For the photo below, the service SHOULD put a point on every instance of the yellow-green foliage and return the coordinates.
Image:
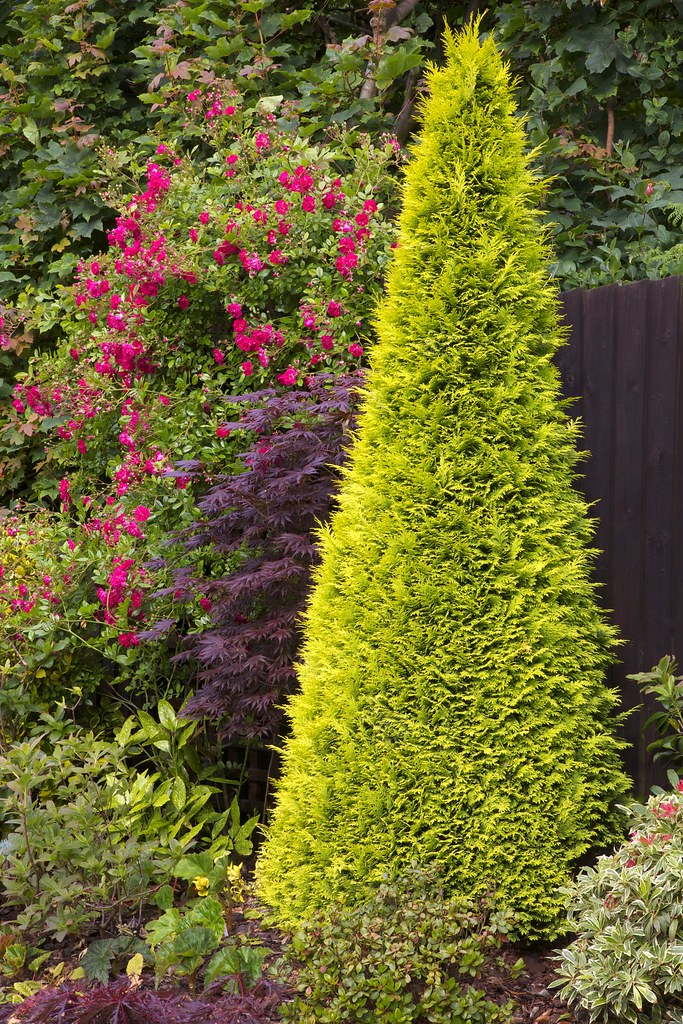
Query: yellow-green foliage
(452, 705)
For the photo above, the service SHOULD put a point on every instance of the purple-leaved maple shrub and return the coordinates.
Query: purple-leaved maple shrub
(266, 518)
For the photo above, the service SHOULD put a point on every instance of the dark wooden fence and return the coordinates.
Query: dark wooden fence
(624, 365)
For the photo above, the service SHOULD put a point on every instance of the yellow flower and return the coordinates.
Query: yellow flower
(234, 882)
(202, 885)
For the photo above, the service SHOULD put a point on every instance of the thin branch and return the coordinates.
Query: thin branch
(401, 11)
(385, 21)
(609, 142)
(405, 121)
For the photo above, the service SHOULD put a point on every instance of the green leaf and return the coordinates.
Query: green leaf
(577, 86)
(97, 959)
(150, 728)
(268, 104)
(601, 57)
(236, 960)
(209, 914)
(164, 927)
(195, 941)
(396, 63)
(123, 735)
(226, 961)
(167, 716)
(178, 794)
(296, 18)
(31, 132)
(164, 897)
(193, 865)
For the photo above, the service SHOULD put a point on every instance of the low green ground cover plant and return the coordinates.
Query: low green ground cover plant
(410, 954)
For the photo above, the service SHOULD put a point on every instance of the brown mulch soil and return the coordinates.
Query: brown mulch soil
(537, 1003)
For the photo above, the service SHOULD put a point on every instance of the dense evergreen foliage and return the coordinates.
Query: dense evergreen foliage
(452, 703)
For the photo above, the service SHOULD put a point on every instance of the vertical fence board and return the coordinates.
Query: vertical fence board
(627, 570)
(676, 578)
(623, 363)
(660, 467)
(596, 408)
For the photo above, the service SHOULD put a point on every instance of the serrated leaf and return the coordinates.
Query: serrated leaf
(244, 960)
(31, 132)
(164, 927)
(97, 959)
(296, 18)
(164, 898)
(195, 941)
(209, 914)
(396, 63)
(224, 962)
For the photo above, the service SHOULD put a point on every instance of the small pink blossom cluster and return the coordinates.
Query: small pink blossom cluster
(125, 584)
(664, 808)
(41, 590)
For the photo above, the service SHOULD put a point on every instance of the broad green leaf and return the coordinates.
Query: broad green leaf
(164, 927)
(224, 962)
(197, 940)
(193, 865)
(31, 131)
(178, 794)
(269, 104)
(164, 897)
(150, 728)
(209, 914)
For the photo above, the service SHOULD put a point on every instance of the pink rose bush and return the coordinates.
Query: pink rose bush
(257, 269)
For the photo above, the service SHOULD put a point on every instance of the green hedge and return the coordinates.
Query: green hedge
(453, 706)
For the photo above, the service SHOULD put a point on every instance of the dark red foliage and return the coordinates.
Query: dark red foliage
(116, 1003)
(268, 516)
(119, 1003)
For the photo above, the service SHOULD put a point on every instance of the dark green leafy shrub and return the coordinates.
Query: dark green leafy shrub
(602, 87)
(626, 963)
(453, 704)
(409, 954)
(667, 688)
